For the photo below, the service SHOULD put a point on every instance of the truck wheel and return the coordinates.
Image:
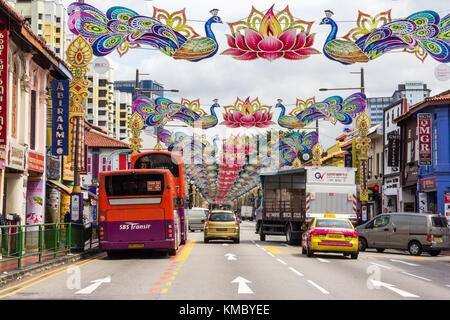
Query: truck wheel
(415, 248)
(262, 236)
(434, 253)
(289, 234)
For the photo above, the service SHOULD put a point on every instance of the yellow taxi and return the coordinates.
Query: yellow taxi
(222, 225)
(330, 234)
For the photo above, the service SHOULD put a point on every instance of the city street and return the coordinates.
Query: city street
(250, 270)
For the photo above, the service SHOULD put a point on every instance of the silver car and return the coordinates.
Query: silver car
(415, 232)
(197, 218)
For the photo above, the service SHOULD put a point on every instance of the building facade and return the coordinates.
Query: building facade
(28, 67)
(433, 181)
(391, 154)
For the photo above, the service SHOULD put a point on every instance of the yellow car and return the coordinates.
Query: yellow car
(330, 234)
(222, 225)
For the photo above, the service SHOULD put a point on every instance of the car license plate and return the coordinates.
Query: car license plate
(437, 239)
(135, 245)
(221, 229)
(335, 236)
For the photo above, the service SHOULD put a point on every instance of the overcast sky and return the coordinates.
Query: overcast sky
(224, 78)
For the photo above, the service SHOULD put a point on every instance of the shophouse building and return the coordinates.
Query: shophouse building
(433, 178)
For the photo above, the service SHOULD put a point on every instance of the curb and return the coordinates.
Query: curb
(28, 271)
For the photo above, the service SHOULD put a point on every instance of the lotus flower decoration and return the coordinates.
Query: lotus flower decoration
(247, 114)
(270, 36)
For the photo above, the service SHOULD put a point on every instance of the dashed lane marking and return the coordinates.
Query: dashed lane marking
(318, 287)
(413, 275)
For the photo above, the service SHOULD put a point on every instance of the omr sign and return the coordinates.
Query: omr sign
(425, 139)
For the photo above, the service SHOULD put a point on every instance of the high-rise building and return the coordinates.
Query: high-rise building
(154, 89)
(413, 92)
(123, 110)
(100, 109)
(47, 19)
(375, 108)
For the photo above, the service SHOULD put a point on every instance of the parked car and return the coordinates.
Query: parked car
(330, 234)
(415, 232)
(197, 218)
(222, 225)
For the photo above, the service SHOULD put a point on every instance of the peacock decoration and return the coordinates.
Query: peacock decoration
(122, 28)
(334, 109)
(157, 112)
(423, 29)
(290, 147)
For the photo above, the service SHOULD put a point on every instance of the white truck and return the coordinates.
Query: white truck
(247, 213)
(292, 198)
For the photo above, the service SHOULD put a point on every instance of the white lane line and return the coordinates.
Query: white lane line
(380, 265)
(323, 260)
(413, 275)
(404, 262)
(448, 285)
(281, 261)
(296, 272)
(318, 287)
(270, 254)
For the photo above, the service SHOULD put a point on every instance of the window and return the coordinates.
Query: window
(33, 121)
(89, 164)
(134, 185)
(379, 222)
(222, 216)
(58, 20)
(102, 93)
(333, 223)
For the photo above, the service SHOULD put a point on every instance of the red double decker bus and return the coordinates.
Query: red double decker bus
(172, 162)
(137, 211)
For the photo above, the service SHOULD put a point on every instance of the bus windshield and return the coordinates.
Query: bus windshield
(158, 161)
(134, 185)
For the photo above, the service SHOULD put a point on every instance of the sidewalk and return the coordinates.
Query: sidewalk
(7, 277)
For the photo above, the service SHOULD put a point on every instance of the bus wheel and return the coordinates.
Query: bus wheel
(172, 252)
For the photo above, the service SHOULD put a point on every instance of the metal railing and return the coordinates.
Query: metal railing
(18, 242)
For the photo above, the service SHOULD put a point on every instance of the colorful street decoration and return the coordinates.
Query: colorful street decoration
(161, 110)
(270, 36)
(334, 109)
(363, 145)
(122, 29)
(247, 114)
(296, 144)
(423, 30)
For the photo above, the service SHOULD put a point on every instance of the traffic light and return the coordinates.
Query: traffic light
(374, 192)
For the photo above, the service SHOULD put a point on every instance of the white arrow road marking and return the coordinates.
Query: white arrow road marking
(380, 265)
(408, 263)
(413, 275)
(243, 288)
(95, 285)
(230, 256)
(392, 288)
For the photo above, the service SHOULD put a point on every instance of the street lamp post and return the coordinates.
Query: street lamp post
(138, 90)
(362, 144)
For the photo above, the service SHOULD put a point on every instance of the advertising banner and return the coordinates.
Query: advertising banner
(35, 209)
(447, 206)
(425, 151)
(4, 35)
(356, 164)
(60, 117)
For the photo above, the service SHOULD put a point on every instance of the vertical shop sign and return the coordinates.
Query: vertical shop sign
(447, 206)
(3, 85)
(393, 149)
(356, 162)
(425, 152)
(60, 117)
